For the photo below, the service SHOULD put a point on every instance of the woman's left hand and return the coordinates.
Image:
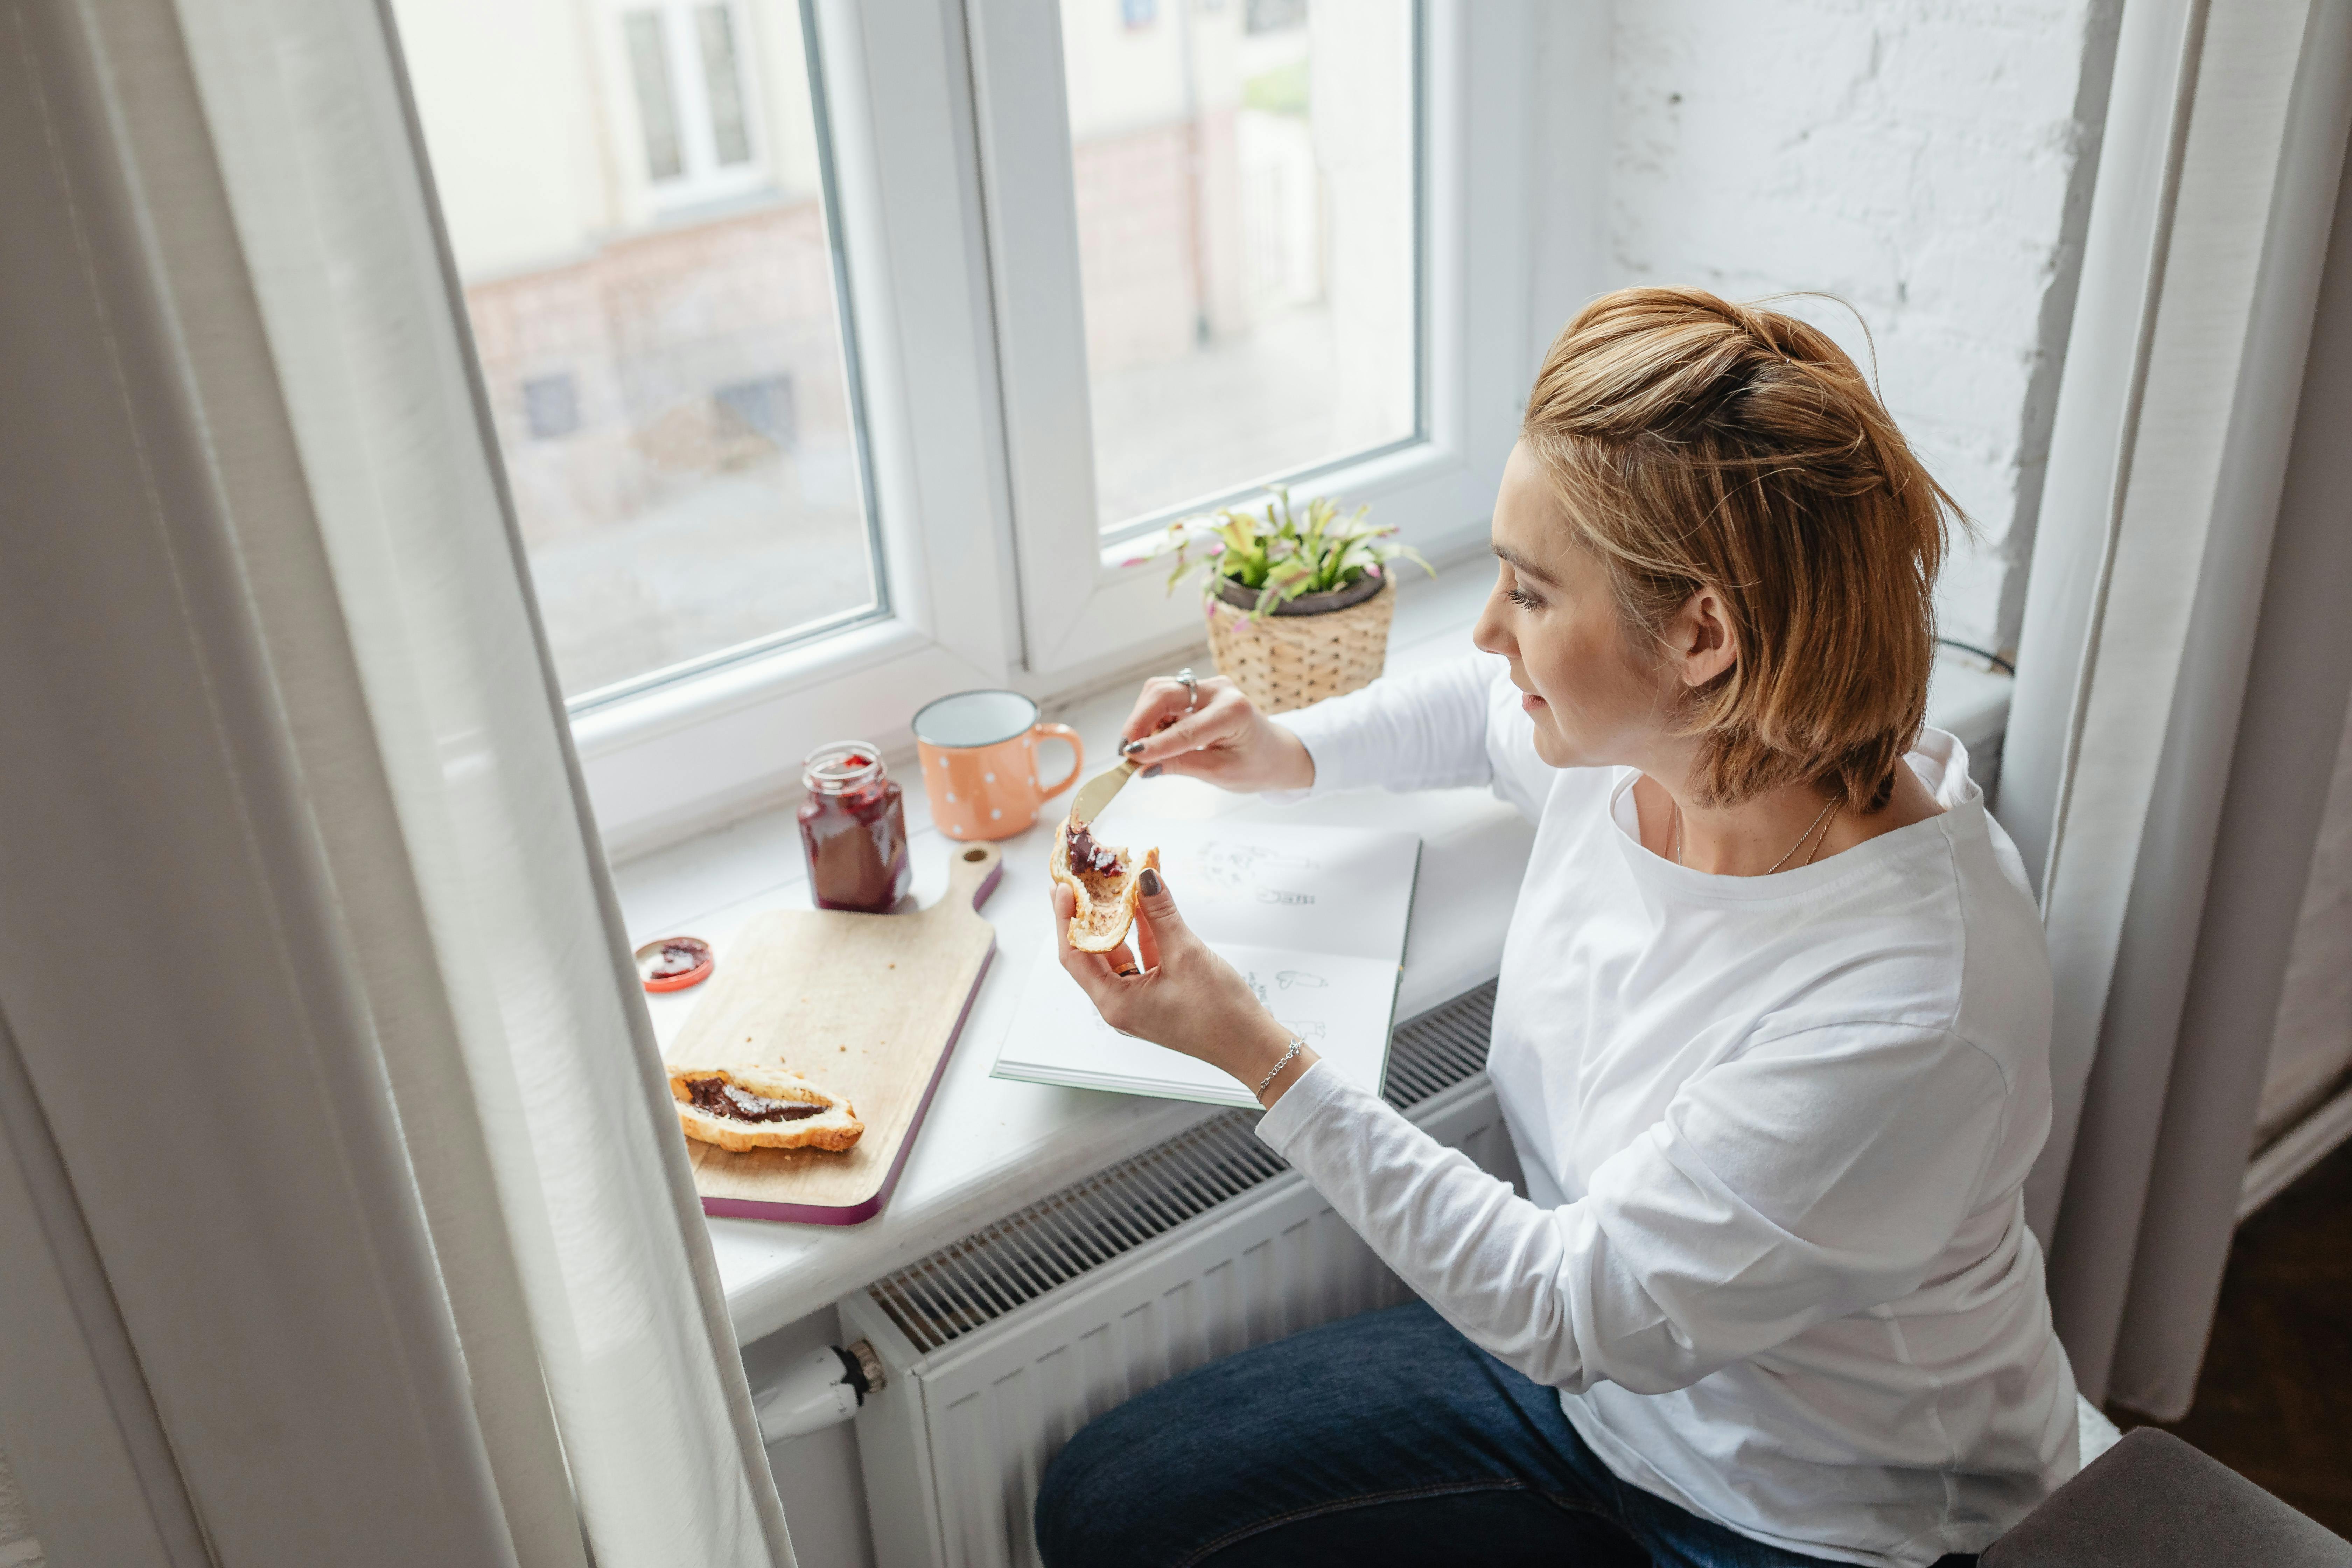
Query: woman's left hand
(1182, 995)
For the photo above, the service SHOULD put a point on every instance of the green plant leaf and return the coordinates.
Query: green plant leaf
(1284, 549)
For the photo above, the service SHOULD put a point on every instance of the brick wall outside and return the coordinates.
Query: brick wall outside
(651, 328)
(1136, 247)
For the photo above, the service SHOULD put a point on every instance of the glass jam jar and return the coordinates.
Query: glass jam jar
(853, 829)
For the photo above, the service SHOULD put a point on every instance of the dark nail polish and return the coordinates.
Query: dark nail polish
(1151, 772)
(1151, 880)
(1128, 748)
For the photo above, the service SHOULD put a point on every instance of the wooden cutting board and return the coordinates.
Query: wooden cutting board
(868, 1007)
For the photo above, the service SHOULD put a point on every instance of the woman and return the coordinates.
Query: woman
(1770, 1037)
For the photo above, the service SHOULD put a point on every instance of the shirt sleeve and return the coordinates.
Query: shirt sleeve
(1441, 728)
(1814, 1177)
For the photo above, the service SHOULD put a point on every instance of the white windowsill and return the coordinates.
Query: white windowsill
(662, 710)
(987, 1146)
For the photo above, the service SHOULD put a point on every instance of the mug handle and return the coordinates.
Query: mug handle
(1078, 756)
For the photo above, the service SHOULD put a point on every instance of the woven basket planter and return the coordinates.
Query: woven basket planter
(1316, 646)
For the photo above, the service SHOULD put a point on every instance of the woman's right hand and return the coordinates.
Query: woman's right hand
(1225, 740)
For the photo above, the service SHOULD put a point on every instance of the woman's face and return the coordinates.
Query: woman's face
(1596, 697)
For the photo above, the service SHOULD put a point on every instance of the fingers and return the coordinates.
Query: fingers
(1160, 702)
(1120, 961)
(1156, 918)
(1146, 942)
(1167, 722)
(1092, 971)
(1187, 734)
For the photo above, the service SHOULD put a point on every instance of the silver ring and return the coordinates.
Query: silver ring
(1192, 687)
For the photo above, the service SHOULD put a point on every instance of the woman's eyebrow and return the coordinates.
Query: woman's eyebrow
(1519, 563)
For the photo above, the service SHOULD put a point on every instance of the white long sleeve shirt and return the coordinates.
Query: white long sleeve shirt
(1775, 1133)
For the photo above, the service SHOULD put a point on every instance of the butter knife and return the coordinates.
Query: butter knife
(1098, 791)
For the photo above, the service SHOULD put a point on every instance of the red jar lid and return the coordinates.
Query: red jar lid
(674, 962)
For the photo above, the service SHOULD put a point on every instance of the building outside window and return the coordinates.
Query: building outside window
(1156, 257)
(692, 105)
(635, 196)
(1246, 186)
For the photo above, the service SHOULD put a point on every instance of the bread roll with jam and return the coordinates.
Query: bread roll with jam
(745, 1107)
(1102, 879)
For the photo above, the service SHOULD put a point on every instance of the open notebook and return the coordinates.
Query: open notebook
(1313, 917)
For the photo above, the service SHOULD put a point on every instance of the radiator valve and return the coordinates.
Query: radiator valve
(823, 1389)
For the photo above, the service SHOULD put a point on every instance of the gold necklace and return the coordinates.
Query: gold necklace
(1799, 844)
(1824, 838)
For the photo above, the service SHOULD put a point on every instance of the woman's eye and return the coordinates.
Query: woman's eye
(1522, 598)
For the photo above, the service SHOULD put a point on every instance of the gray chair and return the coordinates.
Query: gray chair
(2153, 1501)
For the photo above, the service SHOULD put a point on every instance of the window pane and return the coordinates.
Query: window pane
(657, 106)
(669, 383)
(1246, 237)
(729, 131)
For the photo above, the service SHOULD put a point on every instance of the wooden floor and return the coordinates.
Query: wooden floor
(2274, 1401)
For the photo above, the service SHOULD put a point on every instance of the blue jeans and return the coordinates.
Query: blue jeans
(1387, 1438)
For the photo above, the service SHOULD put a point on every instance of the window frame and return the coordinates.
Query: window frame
(690, 753)
(1084, 600)
(995, 571)
(1141, 531)
(845, 295)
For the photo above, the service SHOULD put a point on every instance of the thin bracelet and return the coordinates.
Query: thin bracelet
(1297, 1046)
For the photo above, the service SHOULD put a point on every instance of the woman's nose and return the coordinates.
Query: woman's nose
(1491, 635)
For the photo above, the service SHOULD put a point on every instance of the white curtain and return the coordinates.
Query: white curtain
(2160, 773)
(349, 1180)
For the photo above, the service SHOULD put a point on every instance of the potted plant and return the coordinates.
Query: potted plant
(1297, 601)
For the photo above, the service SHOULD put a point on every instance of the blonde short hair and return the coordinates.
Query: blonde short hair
(1692, 441)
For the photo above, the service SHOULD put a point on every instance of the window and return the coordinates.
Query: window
(686, 76)
(671, 385)
(1246, 207)
(843, 353)
(551, 406)
(1228, 252)
(649, 73)
(731, 130)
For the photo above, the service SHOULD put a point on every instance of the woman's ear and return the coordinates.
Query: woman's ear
(1701, 639)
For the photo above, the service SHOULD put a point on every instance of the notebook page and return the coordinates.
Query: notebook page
(1314, 918)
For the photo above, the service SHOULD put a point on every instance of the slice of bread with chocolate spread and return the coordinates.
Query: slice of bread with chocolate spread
(743, 1108)
(1102, 879)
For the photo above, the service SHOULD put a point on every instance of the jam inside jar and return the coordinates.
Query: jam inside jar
(854, 829)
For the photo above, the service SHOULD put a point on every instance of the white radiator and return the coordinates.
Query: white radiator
(997, 1349)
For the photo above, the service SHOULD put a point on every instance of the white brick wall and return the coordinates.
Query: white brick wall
(1925, 160)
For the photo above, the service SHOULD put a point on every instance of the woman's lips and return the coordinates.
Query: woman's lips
(1530, 701)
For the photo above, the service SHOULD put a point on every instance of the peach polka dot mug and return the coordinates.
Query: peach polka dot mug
(980, 762)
